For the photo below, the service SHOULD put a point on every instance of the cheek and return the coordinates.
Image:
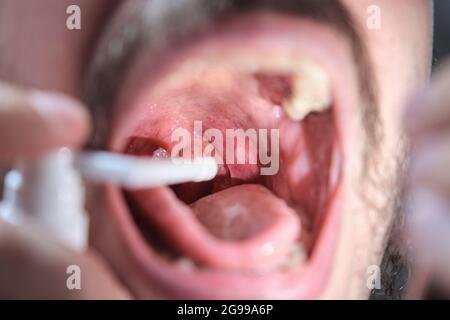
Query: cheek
(38, 50)
(401, 52)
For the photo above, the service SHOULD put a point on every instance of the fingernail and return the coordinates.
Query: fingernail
(54, 105)
(70, 121)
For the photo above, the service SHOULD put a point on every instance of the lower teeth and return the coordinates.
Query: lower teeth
(296, 257)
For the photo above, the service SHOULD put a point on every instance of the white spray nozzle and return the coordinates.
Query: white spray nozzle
(48, 193)
(134, 172)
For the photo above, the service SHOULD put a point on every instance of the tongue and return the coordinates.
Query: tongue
(239, 213)
(243, 227)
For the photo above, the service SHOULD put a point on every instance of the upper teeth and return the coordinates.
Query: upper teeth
(311, 92)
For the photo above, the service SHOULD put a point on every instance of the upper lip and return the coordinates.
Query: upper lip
(310, 278)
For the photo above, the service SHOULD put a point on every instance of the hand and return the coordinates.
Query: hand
(32, 264)
(428, 125)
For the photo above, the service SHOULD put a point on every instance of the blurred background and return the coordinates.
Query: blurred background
(442, 30)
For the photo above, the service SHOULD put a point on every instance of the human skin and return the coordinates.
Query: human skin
(405, 29)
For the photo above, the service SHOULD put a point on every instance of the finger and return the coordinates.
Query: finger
(35, 267)
(430, 109)
(427, 121)
(34, 122)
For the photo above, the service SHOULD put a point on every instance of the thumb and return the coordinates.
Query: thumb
(35, 266)
(34, 122)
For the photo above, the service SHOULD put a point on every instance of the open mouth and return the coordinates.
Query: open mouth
(244, 234)
(243, 219)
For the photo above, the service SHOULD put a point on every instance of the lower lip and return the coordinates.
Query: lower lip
(304, 282)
